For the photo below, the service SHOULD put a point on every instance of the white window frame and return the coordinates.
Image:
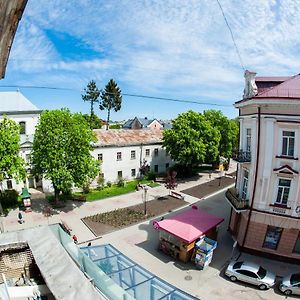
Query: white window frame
(147, 152)
(100, 156)
(133, 172)
(286, 152)
(248, 139)
(156, 152)
(132, 154)
(119, 155)
(245, 184)
(282, 190)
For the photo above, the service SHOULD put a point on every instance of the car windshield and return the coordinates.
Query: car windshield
(237, 265)
(261, 272)
(295, 278)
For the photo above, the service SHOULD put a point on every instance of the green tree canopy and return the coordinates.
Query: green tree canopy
(91, 95)
(12, 164)
(94, 121)
(111, 98)
(61, 150)
(227, 128)
(192, 139)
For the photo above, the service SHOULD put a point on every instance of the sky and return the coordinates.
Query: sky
(172, 48)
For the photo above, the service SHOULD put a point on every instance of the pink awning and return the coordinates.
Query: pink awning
(189, 225)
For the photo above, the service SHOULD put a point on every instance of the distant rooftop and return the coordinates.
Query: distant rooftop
(127, 137)
(15, 102)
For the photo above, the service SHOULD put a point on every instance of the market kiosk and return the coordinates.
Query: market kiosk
(179, 233)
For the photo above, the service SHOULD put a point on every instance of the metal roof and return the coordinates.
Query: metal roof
(16, 102)
(10, 14)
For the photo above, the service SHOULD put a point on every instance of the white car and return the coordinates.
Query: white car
(251, 273)
(291, 284)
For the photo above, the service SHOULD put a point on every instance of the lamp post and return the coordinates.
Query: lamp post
(145, 199)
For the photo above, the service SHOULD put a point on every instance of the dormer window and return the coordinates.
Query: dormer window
(22, 127)
(288, 143)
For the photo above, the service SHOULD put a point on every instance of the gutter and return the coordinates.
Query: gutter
(255, 178)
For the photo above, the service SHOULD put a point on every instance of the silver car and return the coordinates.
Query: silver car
(290, 284)
(250, 273)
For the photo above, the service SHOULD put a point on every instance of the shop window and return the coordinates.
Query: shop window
(147, 152)
(272, 237)
(100, 156)
(288, 143)
(132, 154)
(297, 245)
(22, 127)
(119, 155)
(284, 186)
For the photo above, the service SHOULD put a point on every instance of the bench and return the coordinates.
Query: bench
(176, 195)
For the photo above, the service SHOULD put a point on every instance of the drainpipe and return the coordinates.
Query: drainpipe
(255, 178)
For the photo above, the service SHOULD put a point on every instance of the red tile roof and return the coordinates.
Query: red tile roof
(127, 137)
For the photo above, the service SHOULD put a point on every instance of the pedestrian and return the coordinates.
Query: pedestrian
(74, 237)
(209, 175)
(20, 217)
(89, 244)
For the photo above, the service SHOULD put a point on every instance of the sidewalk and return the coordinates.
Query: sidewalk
(75, 211)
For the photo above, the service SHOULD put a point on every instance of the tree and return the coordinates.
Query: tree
(111, 98)
(12, 164)
(191, 140)
(171, 183)
(94, 121)
(228, 131)
(61, 150)
(91, 95)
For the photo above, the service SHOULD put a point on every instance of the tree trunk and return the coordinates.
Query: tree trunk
(92, 109)
(108, 116)
(56, 195)
(1, 190)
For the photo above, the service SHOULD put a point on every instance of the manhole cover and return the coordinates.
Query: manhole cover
(188, 277)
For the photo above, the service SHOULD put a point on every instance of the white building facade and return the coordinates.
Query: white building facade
(123, 151)
(265, 204)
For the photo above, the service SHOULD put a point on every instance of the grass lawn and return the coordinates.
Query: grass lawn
(115, 190)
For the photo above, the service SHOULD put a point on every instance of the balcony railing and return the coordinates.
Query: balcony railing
(235, 201)
(242, 156)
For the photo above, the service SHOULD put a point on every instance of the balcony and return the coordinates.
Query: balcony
(242, 156)
(235, 201)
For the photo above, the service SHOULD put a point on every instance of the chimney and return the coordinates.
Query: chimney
(250, 85)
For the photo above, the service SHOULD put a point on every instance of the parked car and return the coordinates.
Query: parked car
(251, 273)
(290, 284)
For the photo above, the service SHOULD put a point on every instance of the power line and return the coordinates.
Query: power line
(124, 94)
(232, 36)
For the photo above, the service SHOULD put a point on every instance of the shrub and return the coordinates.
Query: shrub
(108, 183)
(9, 198)
(150, 175)
(100, 182)
(86, 188)
(120, 182)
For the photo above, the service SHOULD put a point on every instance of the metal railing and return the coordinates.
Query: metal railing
(242, 156)
(234, 199)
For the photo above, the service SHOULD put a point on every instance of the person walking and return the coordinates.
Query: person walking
(20, 217)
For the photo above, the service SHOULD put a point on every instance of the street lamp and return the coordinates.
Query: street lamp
(145, 188)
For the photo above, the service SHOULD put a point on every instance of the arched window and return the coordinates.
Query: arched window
(22, 127)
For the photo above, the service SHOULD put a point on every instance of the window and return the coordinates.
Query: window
(27, 158)
(272, 237)
(22, 127)
(147, 152)
(100, 156)
(9, 184)
(167, 166)
(248, 139)
(283, 191)
(247, 273)
(133, 173)
(261, 272)
(288, 143)
(155, 168)
(245, 184)
(132, 155)
(119, 155)
(297, 245)
(156, 152)
(120, 174)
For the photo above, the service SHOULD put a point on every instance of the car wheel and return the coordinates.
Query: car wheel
(288, 292)
(263, 287)
(233, 278)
